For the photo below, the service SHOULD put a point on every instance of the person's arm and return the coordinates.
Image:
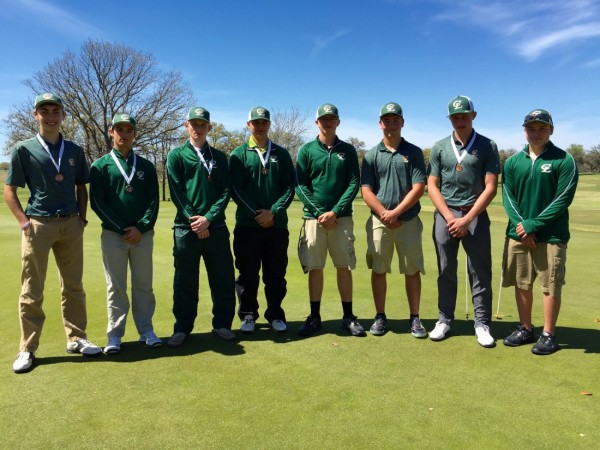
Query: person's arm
(353, 182)
(238, 193)
(305, 194)
(286, 184)
(81, 194)
(511, 206)
(99, 204)
(148, 220)
(565, 192)
(14, 204)
(435, 194)
(177, 185)
(460, 225)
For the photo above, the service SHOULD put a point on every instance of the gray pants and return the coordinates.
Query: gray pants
(477, 245)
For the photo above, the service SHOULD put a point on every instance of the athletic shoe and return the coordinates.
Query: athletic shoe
(113, 346)
(151, 339)
(224, 333)
(378, 327)
(484, 337)
(439, 332)
(279, 326)
(83, 346)
(520, 336)
(351, 324)
(176, 340)
(310, 326)
(545, 345)
(24, 362)
(248, 324)
(417, 329)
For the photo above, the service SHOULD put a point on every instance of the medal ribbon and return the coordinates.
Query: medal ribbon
(116, 160)
(209, 166)
(60, 152)
(264, 160)
(460, 157)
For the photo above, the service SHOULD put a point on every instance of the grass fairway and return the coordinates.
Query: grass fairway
(328, 391)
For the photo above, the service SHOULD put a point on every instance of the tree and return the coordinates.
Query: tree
(289, 129)
(426, 154)
(100, 81)
(225, 140)
(592, 159)
(360, 147)
(578, 154)
(505, 154)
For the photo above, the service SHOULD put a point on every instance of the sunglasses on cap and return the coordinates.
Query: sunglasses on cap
(541, 117)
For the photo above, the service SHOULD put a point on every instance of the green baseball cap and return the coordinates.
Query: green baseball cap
(327, 109)
(198, 112)
(258, 112)
(538, 115)
(391, 108)
(123, 118)
(460, 104)
(48, 97)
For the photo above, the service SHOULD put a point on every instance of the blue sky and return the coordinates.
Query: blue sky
(509, 56)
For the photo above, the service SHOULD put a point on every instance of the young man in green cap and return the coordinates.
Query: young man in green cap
(327, 177)
(124, 195)
(538, 185)
(393, 180)
(199, 185)
(55, 172)
(262, 177)
(463, 178)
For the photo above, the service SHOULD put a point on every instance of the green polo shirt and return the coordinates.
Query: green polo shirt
(537, 193)
(251, 189)
(462, 188)
(391, 175)
(193, 191)
(31, 166)
(327, 179)
(117, 208)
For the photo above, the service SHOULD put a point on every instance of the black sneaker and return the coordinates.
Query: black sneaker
(351, 324)
(520, 336)
(545, 345)
(378, 327)
(310, 326)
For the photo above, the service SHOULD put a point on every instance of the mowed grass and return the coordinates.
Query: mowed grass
(328, 391)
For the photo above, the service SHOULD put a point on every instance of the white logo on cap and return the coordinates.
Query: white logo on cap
(47, 96)
(536, 113)
(124, 117)
(327, 108)
(390, 107)
(199, 111)
(260, 112)
(457, 104)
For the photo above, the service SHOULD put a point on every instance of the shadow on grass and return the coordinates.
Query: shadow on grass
(136, 351)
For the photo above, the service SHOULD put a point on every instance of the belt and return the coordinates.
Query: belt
(56, 216)
(462, 208)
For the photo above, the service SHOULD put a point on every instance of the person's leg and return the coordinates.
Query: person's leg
(379, 288)
(380, 250)
(551, 310)
(143, 300)
(446, 248)
(524, 299)
(246, 248)
(552, 278)
(186, 257)
(274, 247)
(218, 261)
(344, 284)
(68, 252)
(409, 246)
(315, 285)
(35, 248)
(412, 283)
(115, 258)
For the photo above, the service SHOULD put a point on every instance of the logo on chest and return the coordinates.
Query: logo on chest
(546, 168)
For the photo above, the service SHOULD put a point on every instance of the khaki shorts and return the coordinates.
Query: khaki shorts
(315, 241)
(521, 265)
(381, 241)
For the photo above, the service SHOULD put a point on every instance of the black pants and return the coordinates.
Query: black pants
(252, 248)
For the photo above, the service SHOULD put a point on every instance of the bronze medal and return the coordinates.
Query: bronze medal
(129, 188)
(265, 171)
(459, 167)
(210, 178)
(59, 177)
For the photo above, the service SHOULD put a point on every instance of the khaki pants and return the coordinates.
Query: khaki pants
(64, 236)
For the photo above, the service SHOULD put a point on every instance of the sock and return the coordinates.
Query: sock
(315, 308)
(413, 316)
(545, 333)
(347, 308)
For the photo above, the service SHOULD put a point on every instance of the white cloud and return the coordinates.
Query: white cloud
(321, 43)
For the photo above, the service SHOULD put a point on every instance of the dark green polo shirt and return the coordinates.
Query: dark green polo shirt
(31, 166)
(252, 189)
(391, 175)
(462, 188)
(117, 208)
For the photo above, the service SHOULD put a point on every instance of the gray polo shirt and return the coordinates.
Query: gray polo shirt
(391, 175)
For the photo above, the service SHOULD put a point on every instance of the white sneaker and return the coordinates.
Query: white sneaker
(279, 326)
(248, 324)
(439, 332)
(484, 337)
(151, 339)
(113, 346)
(83, 346)
(224, 333)
(24, 362)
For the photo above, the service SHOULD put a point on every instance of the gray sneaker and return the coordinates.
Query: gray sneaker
(176, 340)
(113, 346)
(417, 329)
(224, 333)
(151, 339)
(378, 327)
(83, 346)
(351, 324)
